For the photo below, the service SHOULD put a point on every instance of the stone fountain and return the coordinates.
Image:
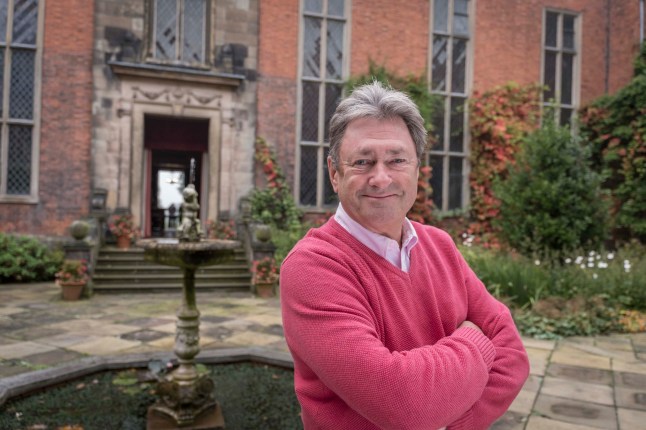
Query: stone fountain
(186, 398)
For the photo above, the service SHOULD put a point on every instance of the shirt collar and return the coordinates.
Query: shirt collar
(382, 245)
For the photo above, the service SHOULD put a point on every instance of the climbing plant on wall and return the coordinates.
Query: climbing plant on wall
(615, 128)
(499, 119)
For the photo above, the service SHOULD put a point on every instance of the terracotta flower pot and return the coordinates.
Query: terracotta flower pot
(265, 289)
(123, 242)
(72, 290)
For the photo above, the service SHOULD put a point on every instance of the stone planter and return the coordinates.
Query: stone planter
(123, 242)
(72, 290)
(265, 289)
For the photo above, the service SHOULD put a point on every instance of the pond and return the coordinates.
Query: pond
(252, 395)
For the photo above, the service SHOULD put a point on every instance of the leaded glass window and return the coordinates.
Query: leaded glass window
(19, 54)
(179, 31)
(560, 66)
(322, 74)
(450, 62)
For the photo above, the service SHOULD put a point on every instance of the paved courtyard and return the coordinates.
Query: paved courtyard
(575, 384)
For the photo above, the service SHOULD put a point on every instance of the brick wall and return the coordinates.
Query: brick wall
(277, 79)
(508, 42)
(65, 134)
(390, 33)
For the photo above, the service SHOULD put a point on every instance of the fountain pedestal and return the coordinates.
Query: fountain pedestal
(186, 398)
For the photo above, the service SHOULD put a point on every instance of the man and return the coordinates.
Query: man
(388, 326)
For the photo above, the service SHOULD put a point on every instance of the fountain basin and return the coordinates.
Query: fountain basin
(172, 252)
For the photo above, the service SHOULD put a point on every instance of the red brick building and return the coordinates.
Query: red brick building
(45, 147)
(583, 47)
(105, 80)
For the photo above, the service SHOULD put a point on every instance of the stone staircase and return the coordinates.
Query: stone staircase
(126, 271)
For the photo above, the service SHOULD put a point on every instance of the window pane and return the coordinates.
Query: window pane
(565, 116)
(332, 99)
(461, 17)
(329, 196)
(439, 63)
(568, 31)
(457, 124)
(549, 79)
(437, 166)
(312, 48)
(567, 63)
(440, 15)
(310, 112)
(455, 182)
(315, 6)
(335, 7)
(166, 29)
(309, 158)
(334, 49)
(25, 21)
(551, 20)
(458, 76)
(194, 16)
(438, 126)
(2, 53)
(19, 160)
(21, 91)
(3, 20)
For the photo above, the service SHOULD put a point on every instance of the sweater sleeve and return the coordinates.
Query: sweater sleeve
(511, 366)
(331, 331)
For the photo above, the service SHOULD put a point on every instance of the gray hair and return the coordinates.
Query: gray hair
(378, 102)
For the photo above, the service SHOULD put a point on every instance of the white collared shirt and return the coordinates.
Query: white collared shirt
(384, 246)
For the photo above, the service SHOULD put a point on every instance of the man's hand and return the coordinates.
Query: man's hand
(470, 324)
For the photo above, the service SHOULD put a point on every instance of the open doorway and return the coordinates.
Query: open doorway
(171, 143)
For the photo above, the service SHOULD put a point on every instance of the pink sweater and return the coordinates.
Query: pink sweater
(378, 348)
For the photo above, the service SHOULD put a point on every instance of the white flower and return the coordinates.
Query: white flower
(594, 276)
(611, 255)
(590, 264)
(464, 235)
(537, 262)
(591, 254)
(590, 259)
(598, 256)
(602, 265)
(568, 260)
(583, 266)
(578, 260)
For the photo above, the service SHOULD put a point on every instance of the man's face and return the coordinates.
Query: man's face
(377, 176)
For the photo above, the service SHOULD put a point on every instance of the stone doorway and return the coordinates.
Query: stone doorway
(170, 143)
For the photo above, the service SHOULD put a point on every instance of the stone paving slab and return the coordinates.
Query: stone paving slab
(537, 360)
(631, 419)
(104, 345)
(576, 357)
(577, 390)
(23, 349)
(542, 423)
(576, 412)
(578, 373)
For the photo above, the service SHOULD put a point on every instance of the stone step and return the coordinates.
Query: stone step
(119, 270)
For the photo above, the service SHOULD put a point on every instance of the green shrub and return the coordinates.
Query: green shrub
(285, 239)
(25, 259)
(584, 293)
(551, 201)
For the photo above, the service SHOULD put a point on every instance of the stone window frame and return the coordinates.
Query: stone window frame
(553, 100)
(325, 198)
(6, 121)
(149, 54)
(450, 194)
